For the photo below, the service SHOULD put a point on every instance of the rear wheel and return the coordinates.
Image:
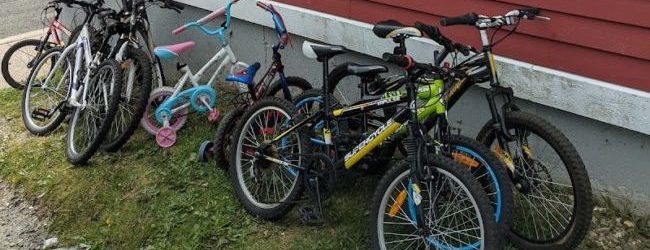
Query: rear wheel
(266, 189)
(46, 91)
(137, 75)
(296, 86)
(90, 124)
(553, 199)
(16, 61)
(158, 96)
(457, 212)
(489, 172)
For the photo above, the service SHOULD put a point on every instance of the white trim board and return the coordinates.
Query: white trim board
(602, 101)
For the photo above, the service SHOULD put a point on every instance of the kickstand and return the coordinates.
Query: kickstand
(313, 215)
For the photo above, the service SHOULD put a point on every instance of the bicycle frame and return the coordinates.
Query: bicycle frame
(430, 92)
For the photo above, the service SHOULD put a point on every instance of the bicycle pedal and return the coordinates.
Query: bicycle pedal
(311, 216)
(40, 114)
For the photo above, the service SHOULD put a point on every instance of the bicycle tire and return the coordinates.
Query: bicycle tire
(83, 156)
(26, 101)
(274, 209)
(6, 59)
(491, 171)
(276, 88)
(114, 142)
(444, 166)
(580, 221)
(223, 139)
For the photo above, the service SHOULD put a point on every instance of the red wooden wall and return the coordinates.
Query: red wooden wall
(607, 40)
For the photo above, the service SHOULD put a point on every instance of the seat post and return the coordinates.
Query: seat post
(325, 97)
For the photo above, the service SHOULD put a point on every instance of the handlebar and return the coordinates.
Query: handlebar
(434, 34)
(214, 15)
(467, 19)
(481, 21)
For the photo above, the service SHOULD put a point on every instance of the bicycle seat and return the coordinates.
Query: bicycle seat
(172, 51)
(246, 75)
(322, 51)
(392, 28)
(365, 70)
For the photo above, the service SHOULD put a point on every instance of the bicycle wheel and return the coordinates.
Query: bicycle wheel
(553, 199)
(15, 62)
(158, 96)
(296, 85)
(91, 123)
(489, 172)
(137, 75)
(266, 189)
(42, 105)
(457, 211)
(223, 140)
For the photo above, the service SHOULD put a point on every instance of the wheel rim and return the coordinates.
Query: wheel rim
(399, 232)
(47, 95)
(129, 102)
(156, 99)
(87, 121)
(545, 198)
(21, 58)
(264, 184)
(492, 189)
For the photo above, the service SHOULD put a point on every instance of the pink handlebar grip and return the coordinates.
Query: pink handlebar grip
(179, 30)
(214, 15)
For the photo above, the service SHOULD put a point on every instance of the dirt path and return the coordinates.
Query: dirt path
(20, 226)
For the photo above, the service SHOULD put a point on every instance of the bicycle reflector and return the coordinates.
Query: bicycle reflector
(465, 160)
(398, 204)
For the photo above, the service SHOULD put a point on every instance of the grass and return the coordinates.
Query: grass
(147, 197)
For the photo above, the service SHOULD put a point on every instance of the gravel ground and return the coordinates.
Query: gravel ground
(20, 224)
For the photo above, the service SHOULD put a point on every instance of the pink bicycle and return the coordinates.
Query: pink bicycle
(20, 58)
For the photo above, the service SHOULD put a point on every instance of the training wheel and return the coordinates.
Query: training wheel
(206, 151)
(166, 137)
(213, 116)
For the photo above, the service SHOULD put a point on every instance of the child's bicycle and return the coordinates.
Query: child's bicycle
(25, 53)
(273, 162)
(168, 107)
(285, 87)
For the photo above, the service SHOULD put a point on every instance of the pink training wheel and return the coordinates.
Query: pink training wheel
(166, 137)
(213, 116)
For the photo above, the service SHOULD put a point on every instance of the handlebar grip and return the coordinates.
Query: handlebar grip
(467, 19)
(435, 35)
(179, 30)
(399, 60)
(534, 11)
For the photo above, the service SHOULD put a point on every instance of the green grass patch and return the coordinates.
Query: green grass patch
(147, 197)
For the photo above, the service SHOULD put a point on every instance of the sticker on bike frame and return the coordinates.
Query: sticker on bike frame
(362, 106)
(371, 143)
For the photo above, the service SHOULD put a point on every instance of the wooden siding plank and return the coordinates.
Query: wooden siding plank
(579, 60)
(602, 35)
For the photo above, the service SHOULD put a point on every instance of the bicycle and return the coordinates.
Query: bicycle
(88, 86)
(556, 200)
(482, 162)
(167, 108)
(138, 71)
(285, 87)
(31, 49)
(270, 148)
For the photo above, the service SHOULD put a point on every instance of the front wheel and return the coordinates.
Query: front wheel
(223, 140)
(91, 122)
(42, 105)
(553, 199)
(16, 62)
(457, 212)
(265, 188)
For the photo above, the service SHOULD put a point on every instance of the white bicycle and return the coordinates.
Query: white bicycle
(79, 82)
